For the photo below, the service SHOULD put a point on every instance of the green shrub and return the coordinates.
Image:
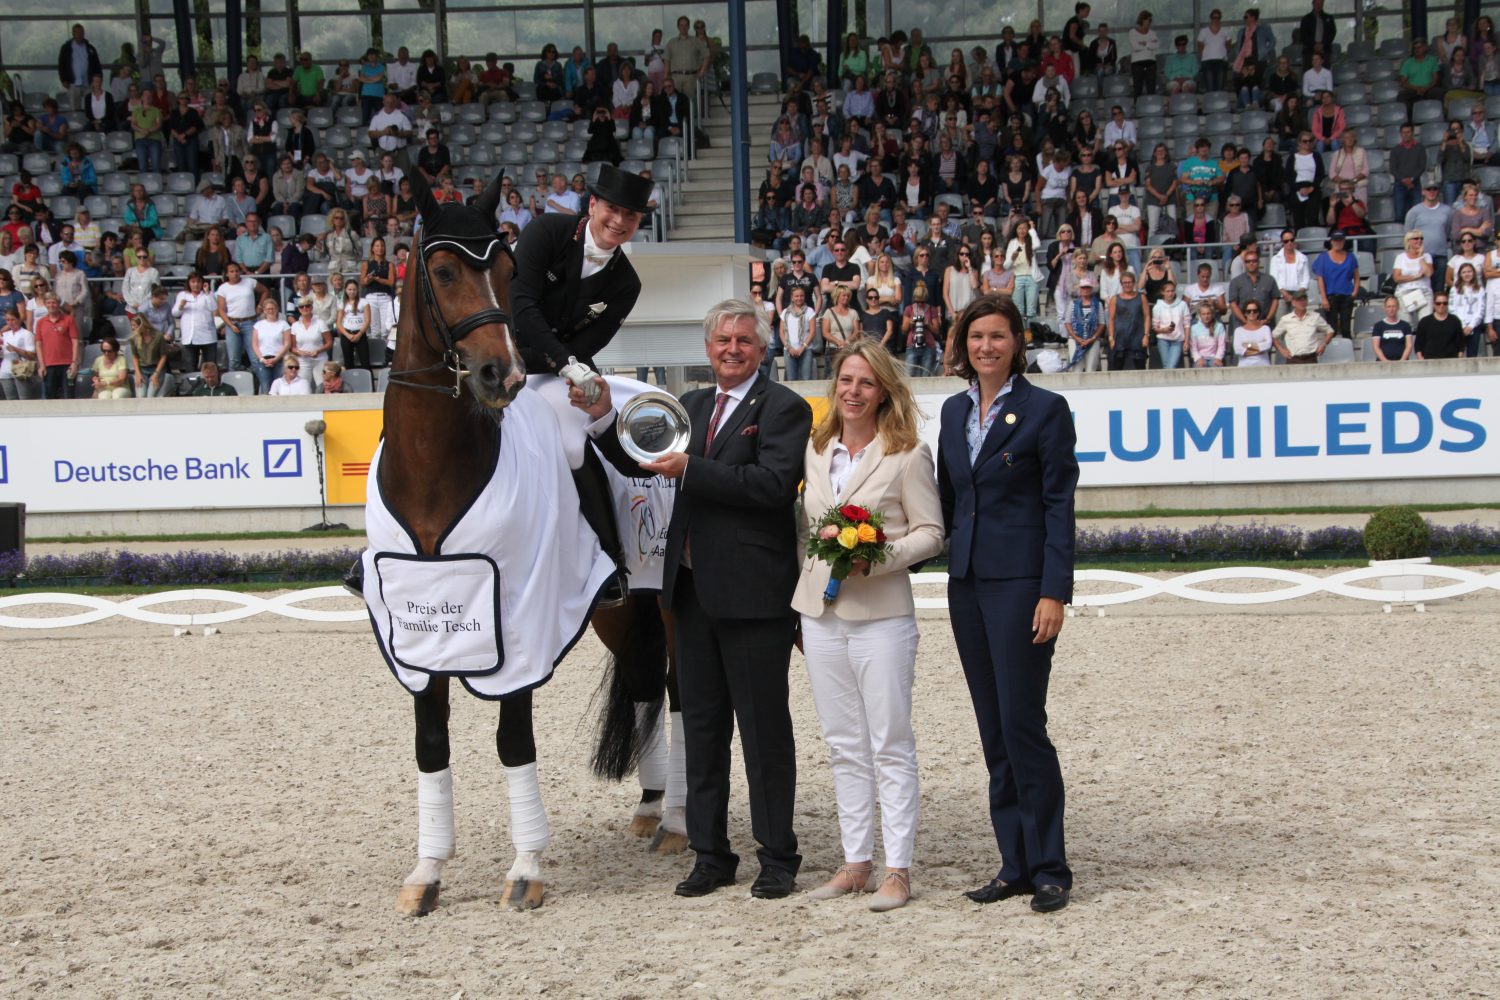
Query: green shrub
(1397, 532)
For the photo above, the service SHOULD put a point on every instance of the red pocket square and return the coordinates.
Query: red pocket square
(750, 431)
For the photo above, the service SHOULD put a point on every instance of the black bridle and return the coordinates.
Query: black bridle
(450, 361)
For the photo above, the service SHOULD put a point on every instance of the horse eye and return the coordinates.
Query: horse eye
(444, 274)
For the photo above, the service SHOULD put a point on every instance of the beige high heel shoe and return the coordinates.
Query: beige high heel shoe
(849, 878)
(894, 891)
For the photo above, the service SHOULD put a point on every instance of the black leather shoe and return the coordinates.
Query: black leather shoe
(1049, 898)
(772, 883)
(997, 890)
(704, 879)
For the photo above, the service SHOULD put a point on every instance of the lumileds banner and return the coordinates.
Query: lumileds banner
(158, 461)
(1320, 429)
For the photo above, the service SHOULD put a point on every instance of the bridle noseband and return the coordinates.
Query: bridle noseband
(451, 362)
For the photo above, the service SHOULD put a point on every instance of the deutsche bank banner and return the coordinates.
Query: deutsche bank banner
(1280, 431)
(158, 461)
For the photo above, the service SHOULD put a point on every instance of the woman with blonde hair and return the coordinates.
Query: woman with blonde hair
(886, 282)
(1412, 273)
(339, 242)
(861, 647)
(148, 359)
(840, 321)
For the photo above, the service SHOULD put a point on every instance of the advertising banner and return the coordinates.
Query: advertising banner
(1275, 431)
(158, 461)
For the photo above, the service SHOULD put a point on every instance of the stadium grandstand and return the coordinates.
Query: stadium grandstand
(154, 153)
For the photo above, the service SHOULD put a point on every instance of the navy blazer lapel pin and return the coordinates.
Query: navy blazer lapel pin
(1008, 457)
(1010, 418)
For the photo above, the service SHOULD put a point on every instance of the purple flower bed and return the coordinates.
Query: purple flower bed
(1206, 543)
(178, 569)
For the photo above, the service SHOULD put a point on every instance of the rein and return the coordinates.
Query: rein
(450, 361)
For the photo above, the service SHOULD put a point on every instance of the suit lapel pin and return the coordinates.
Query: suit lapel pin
(1009, 458)
(1010, 418)
(551, 276)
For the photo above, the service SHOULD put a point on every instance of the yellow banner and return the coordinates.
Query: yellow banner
(350, 443)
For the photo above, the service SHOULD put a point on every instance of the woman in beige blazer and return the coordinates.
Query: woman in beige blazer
(861, 650)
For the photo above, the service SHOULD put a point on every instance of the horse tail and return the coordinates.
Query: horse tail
(632, 687)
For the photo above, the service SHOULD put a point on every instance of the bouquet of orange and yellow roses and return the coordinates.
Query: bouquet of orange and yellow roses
(843, 535)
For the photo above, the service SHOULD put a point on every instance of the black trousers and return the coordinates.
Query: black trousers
(733, 671)
(1340, 314)
(1143, 77)
(1007, 676)
(356, 353)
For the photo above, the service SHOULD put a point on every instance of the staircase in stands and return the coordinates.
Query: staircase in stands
(707, 209)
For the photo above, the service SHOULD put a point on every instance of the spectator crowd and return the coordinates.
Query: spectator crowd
(266, 223)
(1217, 201)
(265, 226)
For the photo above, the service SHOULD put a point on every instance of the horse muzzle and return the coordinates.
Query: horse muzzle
(496, 382)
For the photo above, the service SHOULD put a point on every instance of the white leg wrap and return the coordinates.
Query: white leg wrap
(676, 797)
(435, 838)
(529, 831)
(528, 866)
(654, 763)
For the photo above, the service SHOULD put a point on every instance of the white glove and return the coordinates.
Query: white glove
(582, 376)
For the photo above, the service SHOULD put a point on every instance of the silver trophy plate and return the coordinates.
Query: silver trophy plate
(651, 425)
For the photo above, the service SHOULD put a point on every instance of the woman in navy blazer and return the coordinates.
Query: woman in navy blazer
(1006, 475)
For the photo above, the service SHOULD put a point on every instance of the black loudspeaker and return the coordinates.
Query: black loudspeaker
(13, 528)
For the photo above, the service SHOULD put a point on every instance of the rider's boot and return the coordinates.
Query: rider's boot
(597, 505)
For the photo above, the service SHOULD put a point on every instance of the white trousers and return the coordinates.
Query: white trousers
(861, 675)
(571, 421)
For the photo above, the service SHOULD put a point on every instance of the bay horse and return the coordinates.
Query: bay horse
(455, 373)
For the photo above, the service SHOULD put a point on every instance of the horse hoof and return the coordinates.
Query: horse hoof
(644, 826)
(418, 900)
(669, 842)
(521, 894)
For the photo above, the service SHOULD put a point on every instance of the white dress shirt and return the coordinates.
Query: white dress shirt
(591, 251)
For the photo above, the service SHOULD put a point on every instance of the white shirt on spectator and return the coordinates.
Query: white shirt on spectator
(238, 299)
(1123, 132)
(195, 317)
(383, 119)
(1290, 275)
(558, 202)
(796, 328)
(357, 183)
(402, 75)
(1039, 92)
(1215, 43)
(1315, 80)
(1055, 182)
(296, 387)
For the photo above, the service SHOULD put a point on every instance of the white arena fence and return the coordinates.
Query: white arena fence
(1132, 587)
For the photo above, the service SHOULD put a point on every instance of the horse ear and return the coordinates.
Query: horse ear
(489, 200)
(427, 205)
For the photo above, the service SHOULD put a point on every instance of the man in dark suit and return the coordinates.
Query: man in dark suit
(1316, 31)
(671, 109)
(730, 570)
(572, 288)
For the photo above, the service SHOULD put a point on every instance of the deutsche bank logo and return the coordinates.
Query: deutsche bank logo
(282, 458)
(4, 466)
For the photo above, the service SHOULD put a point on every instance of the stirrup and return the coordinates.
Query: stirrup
(354, 579)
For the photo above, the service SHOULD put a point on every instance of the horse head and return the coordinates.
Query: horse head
(462, 277)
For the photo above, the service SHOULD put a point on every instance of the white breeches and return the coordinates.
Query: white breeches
(571, 421)
(861, 675)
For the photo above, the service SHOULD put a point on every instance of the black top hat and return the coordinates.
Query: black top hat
(623, 188)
